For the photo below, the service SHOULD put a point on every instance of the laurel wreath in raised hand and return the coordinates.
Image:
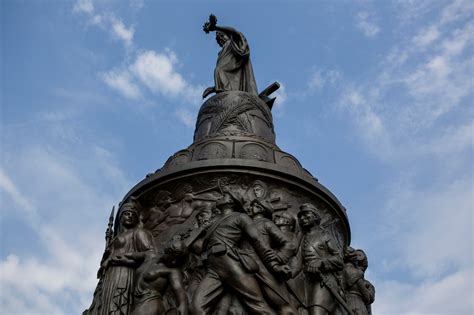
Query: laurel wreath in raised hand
(211, 24)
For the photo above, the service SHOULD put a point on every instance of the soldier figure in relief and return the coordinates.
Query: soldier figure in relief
(321, 262)
(228, 268)
(360, 293)
(274, 289)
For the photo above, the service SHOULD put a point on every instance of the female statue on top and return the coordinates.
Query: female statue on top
(233, 69)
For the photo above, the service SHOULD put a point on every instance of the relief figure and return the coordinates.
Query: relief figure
(156, 274)
(360, 293)
(274, 289)
(321, 263)
(230, 270)
(116, 270)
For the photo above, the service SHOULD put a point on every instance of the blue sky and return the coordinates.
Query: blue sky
(376, 103)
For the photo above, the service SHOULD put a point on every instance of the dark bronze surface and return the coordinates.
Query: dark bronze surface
(232, 224)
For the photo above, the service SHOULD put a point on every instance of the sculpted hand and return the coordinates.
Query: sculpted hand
(283, 272)
(270, 255)
(182, 310)
(208, 91)
(211, 25)
(120, 260)
(313, 267)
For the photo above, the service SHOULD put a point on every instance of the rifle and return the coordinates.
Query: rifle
(337, 296)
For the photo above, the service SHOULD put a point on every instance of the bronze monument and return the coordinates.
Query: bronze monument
(232, 224)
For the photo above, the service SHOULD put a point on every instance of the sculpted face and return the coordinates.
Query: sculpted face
(204, 217)
(307, 219)
(225, 200)
(281, 220)
(259, 191)
(221, 38)
(129, 218)
(256, 208)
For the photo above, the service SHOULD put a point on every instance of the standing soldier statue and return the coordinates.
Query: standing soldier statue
(228, 268)
(321, 262)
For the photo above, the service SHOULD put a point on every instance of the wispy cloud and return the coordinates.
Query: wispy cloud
(156, 72)
(49, 182)
(8, 187)
(366, 23)
(106, 20)
(427, 85)
(186, 117)
(321, 78)
(121, 31)
(142, 70)
(415, 115)
(85, 6)
(430, 297)
(122, 82)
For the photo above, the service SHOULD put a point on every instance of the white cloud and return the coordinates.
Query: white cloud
(433, 225)
(157, 72)
(415, 116)
(7, 186)
(122, 82)
(452, 294)
(321, 78)
(137, 4)
(85, 6)
(456, 10)
(121, 31)
(369, 122)
(186, 117)
(281, 98)
(426, 36)
(422, 80)
(106, 20)
(365, 23)
(67, 192)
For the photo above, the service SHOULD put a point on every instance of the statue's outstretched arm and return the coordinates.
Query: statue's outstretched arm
(211, 26)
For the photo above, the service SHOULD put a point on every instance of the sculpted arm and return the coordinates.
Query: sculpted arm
(296, 264)
(335, 261)
(286, 247)
(176, 282)
(268, 256)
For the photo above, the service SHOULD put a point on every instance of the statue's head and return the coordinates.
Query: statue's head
(164, 198)
(357, 257)
(259, 207)
(129, 215)
(226, 200)
(221, 38)
(284, 219)
(204, 216)
(174, 252)
(259, 189)
(308, 216)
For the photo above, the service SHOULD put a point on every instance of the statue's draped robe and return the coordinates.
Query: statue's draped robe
(233, 69)
(117, 287)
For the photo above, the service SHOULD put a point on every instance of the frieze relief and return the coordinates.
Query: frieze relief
(229, 244)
